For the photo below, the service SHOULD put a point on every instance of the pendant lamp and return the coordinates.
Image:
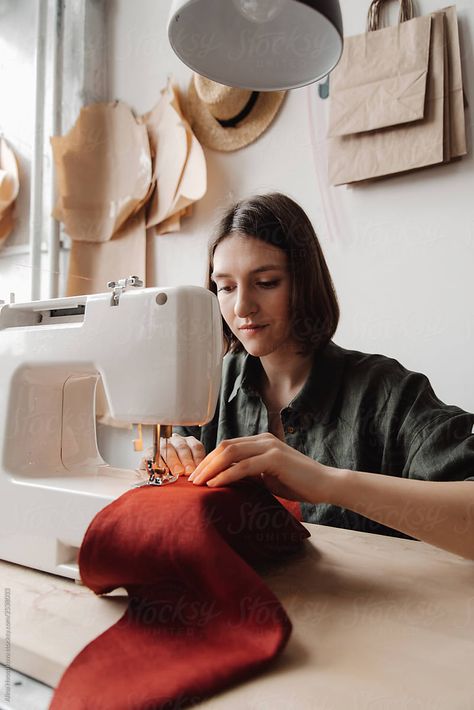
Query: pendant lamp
(262, 45)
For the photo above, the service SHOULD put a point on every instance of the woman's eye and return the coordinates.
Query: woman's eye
(268, 284)
(226, 289)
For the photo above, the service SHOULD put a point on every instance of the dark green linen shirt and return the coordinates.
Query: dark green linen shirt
(356, 411)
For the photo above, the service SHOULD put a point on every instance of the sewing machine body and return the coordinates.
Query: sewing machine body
(159, 355)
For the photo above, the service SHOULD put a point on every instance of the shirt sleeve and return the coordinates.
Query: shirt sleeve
(206, 434)
(188, 431)
(433, 440)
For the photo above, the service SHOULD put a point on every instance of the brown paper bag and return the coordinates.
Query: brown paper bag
(455, 85)
(381, 78)
(446, 111)
(404, 147)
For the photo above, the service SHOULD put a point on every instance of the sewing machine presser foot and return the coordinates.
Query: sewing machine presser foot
(158, 475)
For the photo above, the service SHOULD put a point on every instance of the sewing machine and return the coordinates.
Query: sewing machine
(158, 352)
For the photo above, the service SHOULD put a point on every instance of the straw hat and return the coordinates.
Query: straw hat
(227, 118)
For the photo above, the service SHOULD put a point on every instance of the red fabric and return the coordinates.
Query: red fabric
(293, 506)
(199, 617)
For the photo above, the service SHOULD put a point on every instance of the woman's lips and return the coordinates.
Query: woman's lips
(252, 330)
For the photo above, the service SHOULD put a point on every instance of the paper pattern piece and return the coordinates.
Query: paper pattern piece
(117, 176)
(179, 164)
(9, 188)
(167, 136)
(92, 265)
(103, 166)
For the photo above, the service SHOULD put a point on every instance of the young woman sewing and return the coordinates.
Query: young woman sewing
(361, 441)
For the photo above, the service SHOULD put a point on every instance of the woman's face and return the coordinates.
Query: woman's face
(253, 288)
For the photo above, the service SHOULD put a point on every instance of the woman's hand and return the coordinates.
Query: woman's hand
(285, 471)
(181, 453)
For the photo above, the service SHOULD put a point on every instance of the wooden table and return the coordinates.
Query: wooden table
(379, 624)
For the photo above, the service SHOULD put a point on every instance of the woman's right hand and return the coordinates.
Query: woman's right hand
(181, 453)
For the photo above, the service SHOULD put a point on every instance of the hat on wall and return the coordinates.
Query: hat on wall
(226, 118)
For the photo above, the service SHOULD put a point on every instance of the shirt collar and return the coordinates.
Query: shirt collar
(246, 378)
(320, 389)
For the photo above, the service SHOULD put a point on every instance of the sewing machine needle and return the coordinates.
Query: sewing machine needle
(156, 443)
(158, 474)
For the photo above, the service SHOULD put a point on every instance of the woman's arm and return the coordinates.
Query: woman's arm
(440, 513)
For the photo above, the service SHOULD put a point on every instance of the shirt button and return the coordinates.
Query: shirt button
(290, 430)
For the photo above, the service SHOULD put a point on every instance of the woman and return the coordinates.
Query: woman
(362, 442)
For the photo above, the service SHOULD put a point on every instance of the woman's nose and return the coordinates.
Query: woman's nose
(244, 304)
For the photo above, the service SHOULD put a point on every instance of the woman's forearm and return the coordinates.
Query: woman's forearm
(440, 513)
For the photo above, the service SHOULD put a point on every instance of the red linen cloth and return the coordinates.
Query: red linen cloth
(293, 506)
(199, 617)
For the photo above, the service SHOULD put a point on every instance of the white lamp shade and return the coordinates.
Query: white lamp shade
(262, 45)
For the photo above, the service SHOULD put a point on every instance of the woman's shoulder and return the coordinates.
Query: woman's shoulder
(375, 370)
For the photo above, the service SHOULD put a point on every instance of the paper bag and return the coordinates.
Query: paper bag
(455, 85)
(404, 147)
(381, 78)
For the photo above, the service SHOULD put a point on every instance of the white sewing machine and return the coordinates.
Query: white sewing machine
(159, 354)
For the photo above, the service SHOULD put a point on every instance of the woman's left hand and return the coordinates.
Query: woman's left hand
(285, 471)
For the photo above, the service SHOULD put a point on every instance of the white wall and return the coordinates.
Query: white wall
(401, 250)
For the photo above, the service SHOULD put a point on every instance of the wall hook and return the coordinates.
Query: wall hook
(323, 88)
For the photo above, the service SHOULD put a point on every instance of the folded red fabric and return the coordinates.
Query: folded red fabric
(199, 617)
(293, 506)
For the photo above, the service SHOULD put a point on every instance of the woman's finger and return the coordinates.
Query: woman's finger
(231, 451)
(248, 467)
(243, 453)
(183, 452)
(197, 449)
(260, 441)
(170, 457)
(221, 458)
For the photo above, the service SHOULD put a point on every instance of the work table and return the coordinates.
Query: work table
(378, 623)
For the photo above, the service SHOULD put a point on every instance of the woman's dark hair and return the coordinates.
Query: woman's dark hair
(279, 221)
